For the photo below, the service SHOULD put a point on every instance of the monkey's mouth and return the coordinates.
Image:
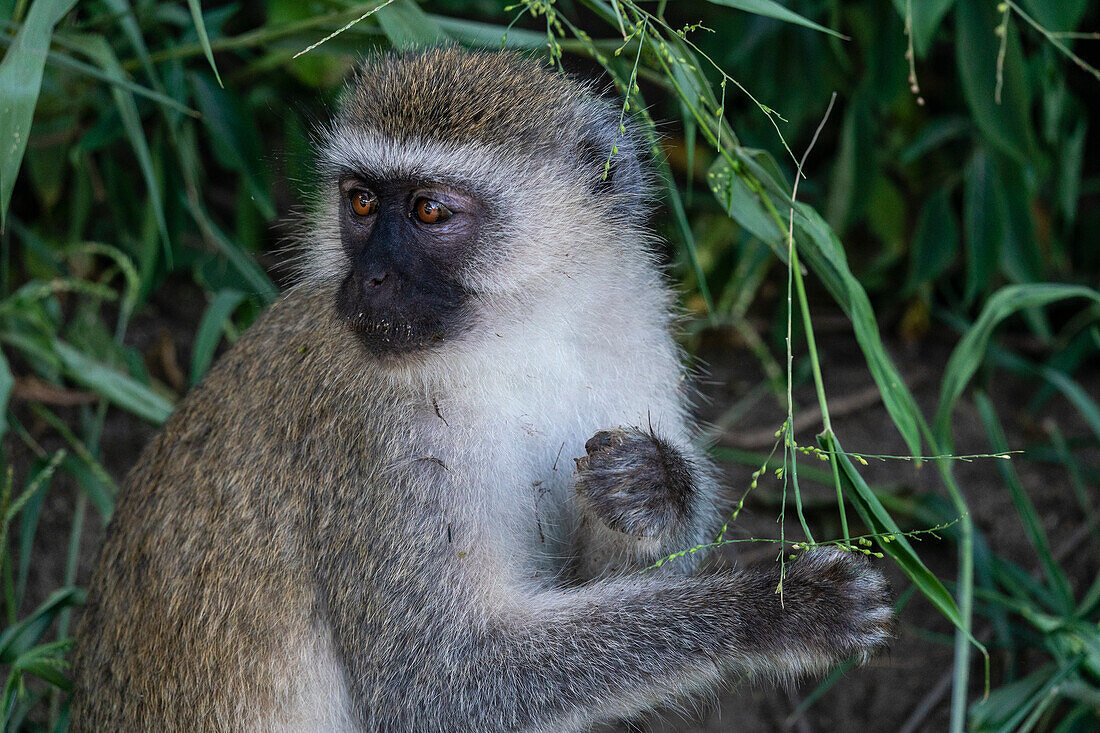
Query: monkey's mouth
(390, 326)
(388, 337)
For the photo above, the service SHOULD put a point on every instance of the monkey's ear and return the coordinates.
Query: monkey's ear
(614, 158)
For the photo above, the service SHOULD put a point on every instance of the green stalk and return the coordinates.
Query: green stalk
(819, 384)
(789, 445)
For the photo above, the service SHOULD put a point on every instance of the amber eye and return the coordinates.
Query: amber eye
(431, 212)
(363, 202)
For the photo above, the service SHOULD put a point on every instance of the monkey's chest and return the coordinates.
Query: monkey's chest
(510, 489)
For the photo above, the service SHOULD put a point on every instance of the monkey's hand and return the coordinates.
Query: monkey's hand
(833, 605)
(636, 483)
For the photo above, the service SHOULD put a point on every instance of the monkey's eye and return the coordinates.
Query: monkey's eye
(431, 212)
(363, 203)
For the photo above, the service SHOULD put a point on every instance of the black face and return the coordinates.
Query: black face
(405, 243)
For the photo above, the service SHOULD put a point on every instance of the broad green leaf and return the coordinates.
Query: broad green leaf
(933, 135)
(688, 237)
(406, 25)
(772, 9)
(234, 138)
(129, 22)
(317, 70)
(117, 387)
(46, 662)
(28, 525)
(45, 165)
(886, 218)
(1076, 395)
(935, 242)
(1069, 180)
(693, 88)
(1007, 705)
(854, 171)
(1020, 252)
(20, 81)
(93, 478)
(254, 276)
(210, 331)
(1056, 15)
(741, 204)
(984, 220)
(488, 35)
(821, 249)
(1006, 125)
(204, 39)
(970, 351)
(1056, 380)
(90, 475)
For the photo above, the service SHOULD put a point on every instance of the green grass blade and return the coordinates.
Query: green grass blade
(772, 9)
(20, 81)
(935, 242)
(686, 236)
(7, 382)
(97, 48)
(743, 205)
(927, 15)
(19, 637)
(117, 387)
(824, 250)
(125, 12)
(984, 221)
(204, 39)
(210, 330)
(89, 475)
(40, 479)
(28, 525)
(1077, 482)
(879, 521)
(1029, 516)
(68, 62)
(254, 276)
(970, 351)
(93, 478)
(46, 662)
(235, 139)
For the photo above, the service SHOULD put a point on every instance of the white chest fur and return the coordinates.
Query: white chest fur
(509, 431)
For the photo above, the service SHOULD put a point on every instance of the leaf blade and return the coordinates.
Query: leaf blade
(20, 82)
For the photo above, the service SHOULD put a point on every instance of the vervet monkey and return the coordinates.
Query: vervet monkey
(368, 517)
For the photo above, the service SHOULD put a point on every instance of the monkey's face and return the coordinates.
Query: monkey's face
(404, 243)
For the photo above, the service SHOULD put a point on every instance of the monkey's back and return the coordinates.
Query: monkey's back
(203, 569)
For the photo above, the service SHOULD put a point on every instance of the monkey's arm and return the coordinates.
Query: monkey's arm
(619, 646)
(641, 498)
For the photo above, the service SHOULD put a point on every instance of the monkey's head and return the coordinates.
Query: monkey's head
(459, 188)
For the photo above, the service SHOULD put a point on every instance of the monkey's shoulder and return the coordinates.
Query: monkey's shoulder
(290, 392)
(295, 359)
